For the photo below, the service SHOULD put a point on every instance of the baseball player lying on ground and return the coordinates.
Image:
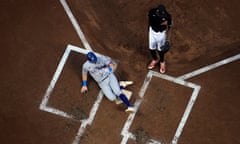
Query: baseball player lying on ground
(101, 70)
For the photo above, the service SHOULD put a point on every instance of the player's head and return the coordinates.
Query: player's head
(161, 9)
(91, 57)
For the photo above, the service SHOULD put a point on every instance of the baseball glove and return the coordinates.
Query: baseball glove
(165, 47)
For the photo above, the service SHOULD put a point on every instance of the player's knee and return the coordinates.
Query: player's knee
(111, 98)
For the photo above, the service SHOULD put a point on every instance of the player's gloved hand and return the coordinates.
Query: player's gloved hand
(84, 89)
(166, 46)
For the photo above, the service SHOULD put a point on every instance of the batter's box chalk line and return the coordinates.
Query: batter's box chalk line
(196, 88)
(44, 107)
(180, 80)
(125, 131)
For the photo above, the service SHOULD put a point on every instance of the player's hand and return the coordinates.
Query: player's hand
(84, 89)
(112, 67)
(164, 23)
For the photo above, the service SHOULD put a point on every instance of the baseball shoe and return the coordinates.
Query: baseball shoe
(130, 110)
(162, 67)
(125, 83)
(118, 101)
(152, 64)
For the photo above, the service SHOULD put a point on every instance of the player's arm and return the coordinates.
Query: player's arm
(111, 67)
(165, 23)
(168, 21)
(84, 84)
(84, 81)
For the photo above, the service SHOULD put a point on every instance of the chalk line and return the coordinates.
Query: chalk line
(43, 106)
(55, 78)
(125, 131)
(209, 67)
(75, 24)
(90, 118)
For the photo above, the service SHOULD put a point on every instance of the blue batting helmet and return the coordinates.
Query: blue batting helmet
(91, 57)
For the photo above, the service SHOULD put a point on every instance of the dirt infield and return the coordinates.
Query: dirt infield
(199, 108)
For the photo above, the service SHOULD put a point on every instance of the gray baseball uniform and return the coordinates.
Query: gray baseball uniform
(105, 78)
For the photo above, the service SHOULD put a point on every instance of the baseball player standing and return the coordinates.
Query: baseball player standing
(160, 22)
(101, 70)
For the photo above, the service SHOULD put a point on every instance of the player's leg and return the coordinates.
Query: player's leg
(107, 90)
(114, 84)
(152, 48)
(161, 42)
(128, 94)
(162, 62)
